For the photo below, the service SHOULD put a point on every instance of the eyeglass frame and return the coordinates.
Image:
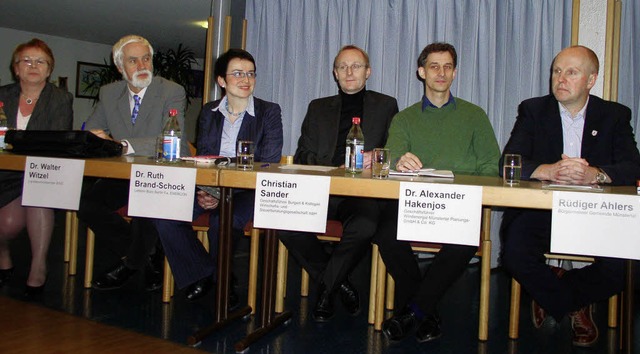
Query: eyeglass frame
(354, 67)
(33, 62)
(238, 74)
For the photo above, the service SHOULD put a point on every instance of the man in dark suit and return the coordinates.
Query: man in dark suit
(323, 142)
(576, 138)
(132, 111)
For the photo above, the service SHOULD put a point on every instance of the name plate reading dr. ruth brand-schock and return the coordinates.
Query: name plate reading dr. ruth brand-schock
(52, 183)
(162, 192)
(442, 213)
(291, 202)
(595, 224)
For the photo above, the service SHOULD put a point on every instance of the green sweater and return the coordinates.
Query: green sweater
(456, 137)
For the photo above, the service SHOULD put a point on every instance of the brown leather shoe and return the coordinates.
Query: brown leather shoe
(538, 314)
(585, 331)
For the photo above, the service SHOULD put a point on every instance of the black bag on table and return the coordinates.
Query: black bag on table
(60, 143)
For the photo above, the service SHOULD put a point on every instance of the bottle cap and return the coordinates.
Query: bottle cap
(1, 104)
(355, 120)
(173, 112)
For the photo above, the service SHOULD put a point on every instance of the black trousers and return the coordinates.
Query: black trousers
(359, 217)
(411, 286)
(526, 238)
(135, 241)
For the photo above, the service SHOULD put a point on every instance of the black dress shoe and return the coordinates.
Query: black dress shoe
(323, 311)
(5, 276)
(34, 293)
(114, 278)
(199, 288)
(152, 278)
(350, 298)
(400, 325)
(429, 329)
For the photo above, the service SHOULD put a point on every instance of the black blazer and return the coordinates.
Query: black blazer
(607, 141)
(319, 137)
(53, 110)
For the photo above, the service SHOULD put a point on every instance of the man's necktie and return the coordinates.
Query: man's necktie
(136, 108)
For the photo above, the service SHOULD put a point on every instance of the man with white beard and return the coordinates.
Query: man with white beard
(132, 111)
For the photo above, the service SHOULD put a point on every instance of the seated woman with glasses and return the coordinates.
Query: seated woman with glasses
(30, 103)
(222, 123)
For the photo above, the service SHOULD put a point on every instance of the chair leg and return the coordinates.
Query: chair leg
(485, 282)
(68, 226)
(88, 263)
(73, 251)
(254, 255)
(372, 283)
(514, 310)
(304, 283)
(380, 291)
(281, 277)
(167, 282)
(391, 292)
(613, 312)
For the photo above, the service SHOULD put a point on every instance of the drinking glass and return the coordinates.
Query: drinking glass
(244, 155)
(380, 162)
(512, 169)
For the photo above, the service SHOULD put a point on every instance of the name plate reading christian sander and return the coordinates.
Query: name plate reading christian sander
(595, 224)
(291, 202)
(443, 213)
(162, 192)
(52, 183)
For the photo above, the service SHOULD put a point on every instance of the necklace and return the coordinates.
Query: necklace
(28, 100)
(231, 112)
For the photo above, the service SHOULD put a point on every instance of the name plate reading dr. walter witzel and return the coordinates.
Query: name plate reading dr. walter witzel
(291, 202)
(52, 183)
(162, 192)
(442, 213)
(596, 224)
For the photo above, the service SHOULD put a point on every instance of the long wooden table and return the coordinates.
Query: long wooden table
(527, 195)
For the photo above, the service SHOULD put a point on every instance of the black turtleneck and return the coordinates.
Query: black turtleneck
(351, 106)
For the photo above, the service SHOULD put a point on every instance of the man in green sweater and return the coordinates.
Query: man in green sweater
(442, 132)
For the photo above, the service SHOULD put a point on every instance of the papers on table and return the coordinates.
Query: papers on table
(573, 187)
(425, 172)
(208, 159)
(307, 168)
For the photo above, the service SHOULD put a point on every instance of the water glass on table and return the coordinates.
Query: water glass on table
(512, 169)
(244, 155)
(380, 163)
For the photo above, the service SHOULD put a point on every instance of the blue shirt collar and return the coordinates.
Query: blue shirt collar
(426, 103)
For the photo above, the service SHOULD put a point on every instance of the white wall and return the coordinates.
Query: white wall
(67, 53)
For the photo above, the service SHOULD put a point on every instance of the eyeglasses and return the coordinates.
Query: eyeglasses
(33, 62)
(242, 74)
(354, 67)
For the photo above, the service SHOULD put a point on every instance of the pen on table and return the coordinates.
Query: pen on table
(83, 124)
(264, 165)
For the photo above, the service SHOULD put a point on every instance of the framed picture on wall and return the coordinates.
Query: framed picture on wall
(89, 79)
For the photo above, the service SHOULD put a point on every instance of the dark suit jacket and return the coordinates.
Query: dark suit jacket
(319, 136)
(265, 130)
(113, 114)
(607, 140)
(53, 110)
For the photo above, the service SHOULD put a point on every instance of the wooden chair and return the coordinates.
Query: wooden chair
(514, 309)
(385, 285)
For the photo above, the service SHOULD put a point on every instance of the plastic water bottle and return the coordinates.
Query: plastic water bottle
(354, 153)
(171, 135)
(4, 125)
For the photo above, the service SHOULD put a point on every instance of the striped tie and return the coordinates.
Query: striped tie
(136, 108)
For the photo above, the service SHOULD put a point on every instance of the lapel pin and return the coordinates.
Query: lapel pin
(594, 132)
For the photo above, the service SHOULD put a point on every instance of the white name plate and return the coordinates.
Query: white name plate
(442, 213)
(596, 224)
(291, 202)
(162, 192)
(52, 183)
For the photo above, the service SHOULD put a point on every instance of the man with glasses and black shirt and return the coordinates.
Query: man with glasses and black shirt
(323, 142)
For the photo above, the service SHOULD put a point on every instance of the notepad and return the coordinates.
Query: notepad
(424, 172)
(573, 187)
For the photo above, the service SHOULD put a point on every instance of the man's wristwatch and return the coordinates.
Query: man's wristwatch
(601, 177)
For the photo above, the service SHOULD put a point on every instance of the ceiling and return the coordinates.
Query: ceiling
(165, 23)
